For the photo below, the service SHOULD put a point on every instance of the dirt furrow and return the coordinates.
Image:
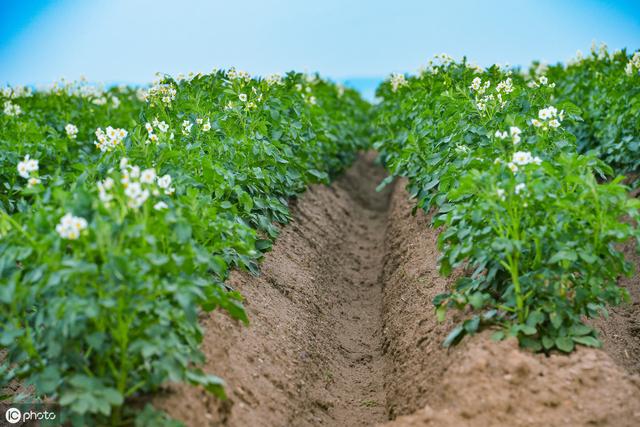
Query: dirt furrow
(343, 333)
(352, 266)
(312, 354)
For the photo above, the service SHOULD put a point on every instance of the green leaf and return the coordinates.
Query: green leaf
(563, 255)
(112, 396)
(48, 380)
(580, 329)
(588, 257)
(211, 383)
(564, 344)
(547, 342)
(471, 325)
(497, 336)
(588, 341)
(454, 336)
(528, 330)
(530, 343)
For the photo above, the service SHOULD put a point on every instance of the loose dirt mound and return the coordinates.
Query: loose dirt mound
(343, 333)
(620, 333)
(480, 382)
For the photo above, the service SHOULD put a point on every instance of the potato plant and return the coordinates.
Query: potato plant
(121, 219)
(528, 218)
(605, 85)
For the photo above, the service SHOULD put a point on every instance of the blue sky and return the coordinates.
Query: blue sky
(129, 40)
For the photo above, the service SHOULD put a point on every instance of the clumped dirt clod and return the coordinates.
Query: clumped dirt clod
(343, 333)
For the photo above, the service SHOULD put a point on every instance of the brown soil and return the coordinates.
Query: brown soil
(312, 354)
(343, 333)
(480, 382)
(620, 333)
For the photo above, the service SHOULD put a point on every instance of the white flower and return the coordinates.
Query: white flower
(164, 182)
(544, 114)
(397, 81)
(543, 80)
(108, 140)
(103, 188)
(148, 127)
(108, 183)
(72, 131)
(133, 190)
(520, 188)
(135, 172)
(26, 166)
(554, 123)
(32, 165)
(634, 62)
(163, 126)
(515, 132)
(501, 135)
(505, 86)
(501, 193)
(274, 79)
(206, 127)
(160, 206)
(186, 127)
(549, 117)
(124, 162)
(475, 84)
(522, 158)
(71, 226)
(103, 195)
(22, 170)
(111, 132)
(243, 97)
(138, 200)
(461, 148)
(161, 91)
(484, 87)
(11, 109)
(148, 176)
(512, 167)
(33, 182)
(142, 94)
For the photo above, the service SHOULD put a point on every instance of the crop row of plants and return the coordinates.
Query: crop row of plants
(605, 86)
(123, 211)
(534, 223)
